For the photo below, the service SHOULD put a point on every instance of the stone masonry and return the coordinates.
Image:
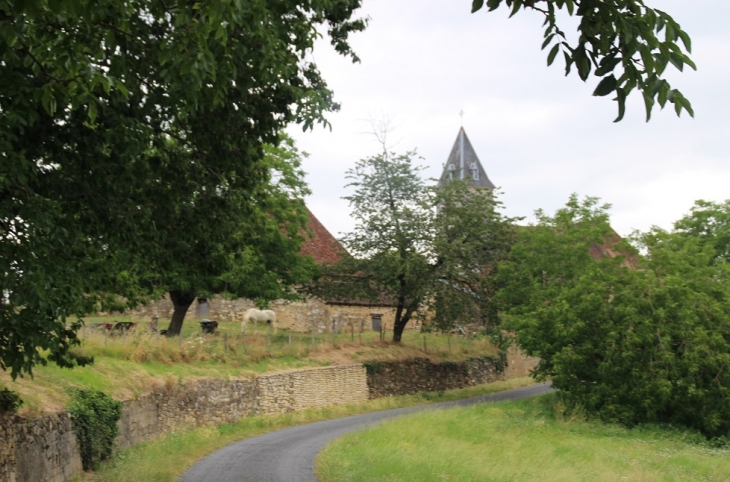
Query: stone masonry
(45, 449)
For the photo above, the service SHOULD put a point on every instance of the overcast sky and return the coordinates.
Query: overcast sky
(539, 135)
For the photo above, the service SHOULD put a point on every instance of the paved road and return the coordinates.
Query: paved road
(288, 455)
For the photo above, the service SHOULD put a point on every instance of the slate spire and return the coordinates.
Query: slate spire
(463, 163)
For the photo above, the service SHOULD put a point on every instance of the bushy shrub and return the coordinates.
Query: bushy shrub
(645, 345)
(9, 401)
(94, 415)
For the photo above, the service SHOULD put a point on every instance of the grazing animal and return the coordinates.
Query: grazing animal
(258, 316)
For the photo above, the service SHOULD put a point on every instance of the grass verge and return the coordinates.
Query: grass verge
(532, 439)
(166, 459)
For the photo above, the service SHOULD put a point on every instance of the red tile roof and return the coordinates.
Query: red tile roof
(322, 247)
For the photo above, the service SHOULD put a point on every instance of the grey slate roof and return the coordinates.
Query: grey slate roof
(463, 149)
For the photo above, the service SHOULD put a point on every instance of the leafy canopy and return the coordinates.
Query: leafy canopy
(624, 42)
(650, 344)
(422, 248)
(117, 112)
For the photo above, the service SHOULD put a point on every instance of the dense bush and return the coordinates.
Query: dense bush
(9, 400)
(650, 344)
(94, 415)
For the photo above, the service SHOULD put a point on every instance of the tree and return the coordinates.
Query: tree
(116, 111)
(619, 40)
(420, 247)
(710, 223)
(629, 345)
(235, 242)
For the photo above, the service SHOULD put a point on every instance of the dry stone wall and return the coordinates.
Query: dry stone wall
(315, 387)
(45, 449)
(205, 402)
(406, 377)
(40, 449)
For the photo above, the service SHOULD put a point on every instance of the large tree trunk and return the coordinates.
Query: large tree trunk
(181, 301)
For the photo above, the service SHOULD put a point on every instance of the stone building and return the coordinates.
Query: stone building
(320, 315)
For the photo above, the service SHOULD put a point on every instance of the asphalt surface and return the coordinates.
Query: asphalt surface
(288, 455)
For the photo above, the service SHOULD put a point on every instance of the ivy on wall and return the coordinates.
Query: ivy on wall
(94, 415)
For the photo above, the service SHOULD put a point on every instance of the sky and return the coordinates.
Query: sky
(539, 135)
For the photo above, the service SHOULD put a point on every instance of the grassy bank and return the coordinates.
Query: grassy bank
(525, 440)
(132, 364)
(166, 459)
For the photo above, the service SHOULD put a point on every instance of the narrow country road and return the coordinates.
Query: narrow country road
(288, 455)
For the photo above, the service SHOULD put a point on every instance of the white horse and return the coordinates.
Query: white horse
(263, 316)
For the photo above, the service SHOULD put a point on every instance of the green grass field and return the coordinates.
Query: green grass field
(518, 441)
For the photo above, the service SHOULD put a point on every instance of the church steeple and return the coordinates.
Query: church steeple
(463, 163)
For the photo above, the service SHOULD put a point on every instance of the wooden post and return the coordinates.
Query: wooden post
(290, 338)
(360, 334)
(333, 332)
(312, 334)
(352, 331)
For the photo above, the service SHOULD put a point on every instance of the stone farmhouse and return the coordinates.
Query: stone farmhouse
(320, 315)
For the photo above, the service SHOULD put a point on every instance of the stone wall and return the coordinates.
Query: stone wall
(421, 375)
(45, 449)
(316, 387)
(205, 402)
(299, 316)
(42, 449)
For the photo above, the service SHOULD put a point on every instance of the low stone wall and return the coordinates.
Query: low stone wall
(421, 375)
(40, 449)
(310, 388)
(205, 402)
(45, 449)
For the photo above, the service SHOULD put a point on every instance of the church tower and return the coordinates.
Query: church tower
(463, 163)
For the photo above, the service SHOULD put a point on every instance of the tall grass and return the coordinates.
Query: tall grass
(534, 439)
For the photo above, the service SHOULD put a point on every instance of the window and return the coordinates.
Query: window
(474, 170)
(450, 168)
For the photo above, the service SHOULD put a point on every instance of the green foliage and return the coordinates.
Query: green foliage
(709, 222)
(234, 240)
(116, 114)
(9, 400)
(620, 41)
(94, 415)
(422, 248)
(631, 345)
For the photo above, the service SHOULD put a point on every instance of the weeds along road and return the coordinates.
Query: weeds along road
(288, 455)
